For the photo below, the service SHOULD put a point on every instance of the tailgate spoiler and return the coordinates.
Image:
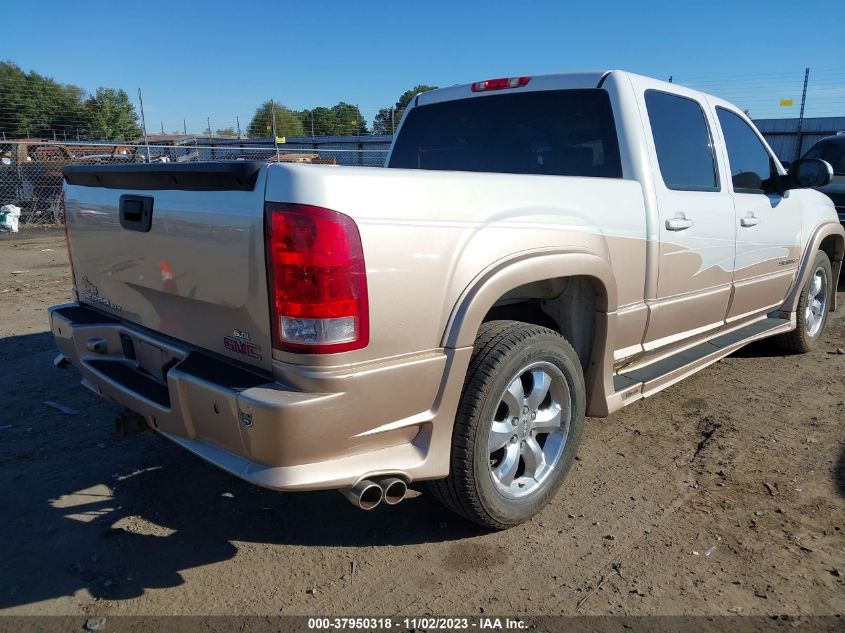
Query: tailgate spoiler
(211, 176)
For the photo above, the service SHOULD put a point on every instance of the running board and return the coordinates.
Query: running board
(645, 381)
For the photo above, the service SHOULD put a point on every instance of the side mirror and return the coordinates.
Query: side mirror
(810, 172)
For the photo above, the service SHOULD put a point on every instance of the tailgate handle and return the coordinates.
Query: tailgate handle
(136, 213)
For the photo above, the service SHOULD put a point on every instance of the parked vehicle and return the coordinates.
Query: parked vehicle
(537, 250)
(832, 151)
(30, 173)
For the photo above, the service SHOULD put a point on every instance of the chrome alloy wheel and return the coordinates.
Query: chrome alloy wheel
(816, 302)
(529, 429)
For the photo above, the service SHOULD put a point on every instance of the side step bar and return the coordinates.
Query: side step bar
(644, 381)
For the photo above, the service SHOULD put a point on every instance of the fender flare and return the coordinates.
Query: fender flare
(813, 244)
(517, 270)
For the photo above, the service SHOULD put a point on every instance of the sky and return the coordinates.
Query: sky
(221, 60)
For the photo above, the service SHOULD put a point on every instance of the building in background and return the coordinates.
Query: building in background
(783, 137)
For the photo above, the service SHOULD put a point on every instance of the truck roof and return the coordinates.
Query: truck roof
(555, 81)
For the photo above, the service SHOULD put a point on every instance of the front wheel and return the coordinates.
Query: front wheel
(813, 306)
(518, 426)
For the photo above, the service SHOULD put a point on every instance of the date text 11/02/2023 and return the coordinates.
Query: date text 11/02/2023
(415, 623)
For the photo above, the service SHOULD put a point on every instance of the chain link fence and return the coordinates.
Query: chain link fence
(31, 171)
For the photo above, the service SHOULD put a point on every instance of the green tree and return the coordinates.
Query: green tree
(349, 119)
(288, 122)
(343, 119)
(226, 131)
(387, 119)
(34, 106)
(111, 115)
(318, 122)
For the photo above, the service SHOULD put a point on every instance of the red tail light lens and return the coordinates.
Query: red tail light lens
(500, 84)
(317, 279)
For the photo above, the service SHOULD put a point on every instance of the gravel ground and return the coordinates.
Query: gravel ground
(723, 494)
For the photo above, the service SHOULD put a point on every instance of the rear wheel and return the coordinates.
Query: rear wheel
(813, 306)
(518, 427)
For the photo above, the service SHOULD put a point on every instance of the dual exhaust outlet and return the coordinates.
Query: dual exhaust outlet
(368, 493)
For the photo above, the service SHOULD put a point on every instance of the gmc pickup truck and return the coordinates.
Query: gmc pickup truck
(537, 249)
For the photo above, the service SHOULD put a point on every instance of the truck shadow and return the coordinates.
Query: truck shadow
(88, 509)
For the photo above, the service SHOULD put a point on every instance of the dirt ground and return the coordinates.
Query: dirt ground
(723, 494)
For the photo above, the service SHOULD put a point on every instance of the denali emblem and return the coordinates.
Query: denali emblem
(246, 419)
(244, 348)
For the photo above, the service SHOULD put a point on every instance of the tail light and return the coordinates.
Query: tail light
(317, 280)
(500, 84)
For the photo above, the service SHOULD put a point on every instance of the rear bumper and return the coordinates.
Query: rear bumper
(302, 428)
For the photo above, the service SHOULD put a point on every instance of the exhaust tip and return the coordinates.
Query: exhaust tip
(365, 494)
(370, 497)
(394, 489)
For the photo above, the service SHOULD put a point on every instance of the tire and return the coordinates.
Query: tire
(484, 485)
(814, 300)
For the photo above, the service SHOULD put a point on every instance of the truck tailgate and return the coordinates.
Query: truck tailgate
(196, 272)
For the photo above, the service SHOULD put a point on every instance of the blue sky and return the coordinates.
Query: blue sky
(222, 59)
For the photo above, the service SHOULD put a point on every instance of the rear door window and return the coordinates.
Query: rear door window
(561, 132)
(683, 142)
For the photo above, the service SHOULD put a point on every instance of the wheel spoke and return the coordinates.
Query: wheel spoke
(541, 383)
(518, 463)
(532, 455)
(506, 470)
(514, 398)
(500, 434)
(548, 420)
(816, 287)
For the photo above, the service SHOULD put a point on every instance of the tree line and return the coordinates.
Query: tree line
(343, 119)
(32, 105)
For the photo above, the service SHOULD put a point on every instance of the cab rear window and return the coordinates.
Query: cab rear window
(561, 132)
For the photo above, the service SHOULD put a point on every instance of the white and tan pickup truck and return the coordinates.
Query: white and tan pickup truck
(538, 249)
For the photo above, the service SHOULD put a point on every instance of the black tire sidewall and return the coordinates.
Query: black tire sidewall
(553, 349)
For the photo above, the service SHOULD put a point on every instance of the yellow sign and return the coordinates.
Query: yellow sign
(786, 102)
(281, 139)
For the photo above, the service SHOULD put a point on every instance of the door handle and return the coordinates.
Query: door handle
(749, 220)
(678, 223)
(136, 212)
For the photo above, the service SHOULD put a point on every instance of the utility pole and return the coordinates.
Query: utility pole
(184, 127)
(208, 121)
(801, 114)
(238, 122)
(392, 121)
(144, 124)
(162, 127)
(275, 136)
